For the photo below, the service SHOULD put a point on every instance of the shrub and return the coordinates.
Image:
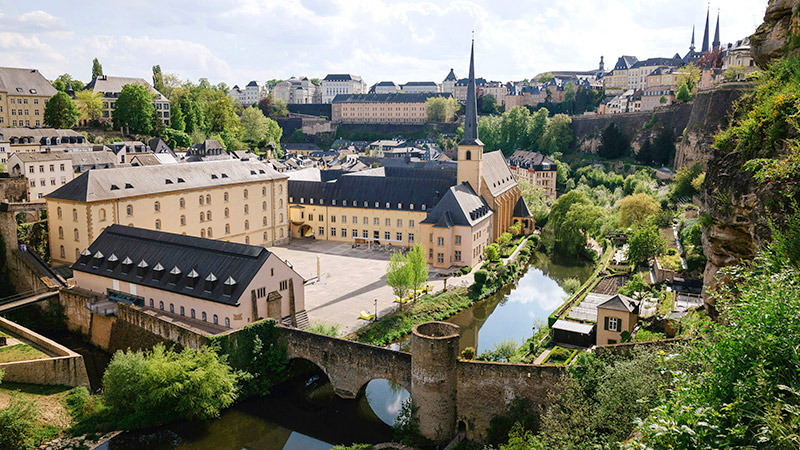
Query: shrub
(534, 241)
(481, 276)
(504, 239)
(570, 285)
(325, 329)
(159, 386)
(466, 269)
(406, 426)
(520, 412)
(492, 252)
(559, 355)
(18, 425)
(671, 251)
(468, 353)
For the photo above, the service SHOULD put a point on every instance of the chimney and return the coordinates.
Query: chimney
(211, 282)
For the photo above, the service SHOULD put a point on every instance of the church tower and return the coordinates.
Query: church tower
(705, 48)
(716, 43)
(470, 149)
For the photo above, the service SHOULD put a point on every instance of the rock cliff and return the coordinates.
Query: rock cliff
(774, 38)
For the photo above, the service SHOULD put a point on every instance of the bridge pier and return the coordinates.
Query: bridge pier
(434, 378)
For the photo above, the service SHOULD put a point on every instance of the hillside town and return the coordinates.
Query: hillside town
(329, 262)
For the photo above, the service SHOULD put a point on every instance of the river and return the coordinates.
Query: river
(305, 413)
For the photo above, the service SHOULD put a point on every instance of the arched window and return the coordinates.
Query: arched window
(183, 220)
(281, 233)
(203, 316)
(202, 216)
(265, 220)
(227, 229)
(246, 209)
(208, 233)
(201, 200)
(263, 191)
(183, 311)
(226, 212)
(280, 203)
(61, 232)
(246, 224)
(74, 214)
(468, 155)
(77, 236)
(202, 232)
(59, 212)
(216, 320)
(129, 210)
(157, 206)
(172, 308)
(208, 215)
(245, 193)
(247, 239)
(208, 199)
(182, 203)
(263, 206)
(225, 196)
(280, 189)
(161, 305)
(62, 251)
(192, 313)
(158, 224)
(227, 322)
(102, 214)
(281, 218)
(151, 302)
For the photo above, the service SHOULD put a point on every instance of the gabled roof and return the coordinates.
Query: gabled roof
(496, 174)
(420, 83)
(625, 62)
(651, 62)
(460, 206)
(531, 160)
(341, 77)
(621, 302)
(176, 254)
(34, 157)
(521, 208)
(17, 81)
(451, 76)
(108, 84)
(157, 145)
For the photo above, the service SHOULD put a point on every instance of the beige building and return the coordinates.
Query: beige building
(235, 201)
(536, 169)
(616, 82)
(657, 96)
(297, 91)
(217, 285)
(381, 108)
(615, 316)
(338, 84)
(110, 88)
(45, 172)
(23, 95)
(25, 140)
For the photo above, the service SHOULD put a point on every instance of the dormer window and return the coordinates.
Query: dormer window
(127, 263)
(210, 282)
(192, 276)
(230, 285)
(141, 268)
(174, 275)
(158, 271)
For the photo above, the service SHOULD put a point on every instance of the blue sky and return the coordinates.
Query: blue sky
(380, 40)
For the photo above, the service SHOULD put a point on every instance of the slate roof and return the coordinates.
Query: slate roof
(145, 159)
(41, 135)
(420, 83)
(530, 160)
(625, 62)
(17, 81)
(574, 327)
(341, 77)
(157, 145)
(521, 208)
(621, 302)
(33, 157)
(496, 174)
(388, 98)
(227, 262)
(124, 182)
(460, 206)
(289, 147)
(113, 85)
(672, 62)
(94, 159)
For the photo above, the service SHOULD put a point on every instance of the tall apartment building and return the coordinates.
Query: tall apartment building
(297, 91)
(335, 84)
(110, 88)
(617, 81)
(235, 201)
(23, 94)
(536, 169)
(252, 93)
(381, 108)
(638, 72)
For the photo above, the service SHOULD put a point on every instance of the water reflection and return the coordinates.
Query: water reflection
(385, 398)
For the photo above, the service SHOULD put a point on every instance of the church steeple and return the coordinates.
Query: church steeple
(715, 44)
(705, 35)
(691, 46)
(471, 107)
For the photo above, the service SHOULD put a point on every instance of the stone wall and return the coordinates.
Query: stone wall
(139, 329)
(8, 229)
(66, 368)
(349, 365)
(24, 276)
(486, 388)
(13, 190)
(588, 129)
(79, 317)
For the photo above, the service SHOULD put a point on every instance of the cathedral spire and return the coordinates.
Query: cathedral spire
(705, 35)
(691, 47)
(471, 116)
(715, 44)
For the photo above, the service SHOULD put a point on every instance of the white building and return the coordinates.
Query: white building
(335, 84)
(449, 83)
(420, 87)
(385, 87)
(297, 91)
(252, 93)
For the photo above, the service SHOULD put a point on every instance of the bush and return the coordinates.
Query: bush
(406, 427)
(481, 276)
(559, 355)
(570, 285)
(468, 353)
(521, 412)
(18, 425)
(465, 270)
(155, 387)
(325, 329)
(492, 252)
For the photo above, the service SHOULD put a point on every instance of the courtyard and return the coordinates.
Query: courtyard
(351, 279)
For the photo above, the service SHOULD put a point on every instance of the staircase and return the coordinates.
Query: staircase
(302, 320)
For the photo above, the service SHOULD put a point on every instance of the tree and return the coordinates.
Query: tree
(158, 125)
(270, 84)
(663, 100)
(535, 199)
(221, 115)
(645, 154)
(514, 127)
(663, 147)
(635, 209)
(158, 79)
(258, 129)
(689, 75)
(159, 386)
(60, 111)
(134, 109)
(64, 81)
(176, 120)
(682, 184)
(90, 104)
(488, 104)
(398, 275)
(417, 267)
(492, 253)
(558, 135)
(645, 242)
(613, 143)
(97, 69)
(175, 138)
(544, 77)
(568, 224)
(489, 131)
(684, 94)
(440, 109)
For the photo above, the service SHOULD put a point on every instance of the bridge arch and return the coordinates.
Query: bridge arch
(384, 397)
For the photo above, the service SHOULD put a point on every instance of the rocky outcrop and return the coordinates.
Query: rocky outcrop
(710, 112)
(773, 38)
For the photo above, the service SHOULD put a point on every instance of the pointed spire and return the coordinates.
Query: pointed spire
(471, 116)
(715, 44)
(691, 47)
(705, 35)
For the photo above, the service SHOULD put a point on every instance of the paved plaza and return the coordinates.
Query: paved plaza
(350, 282)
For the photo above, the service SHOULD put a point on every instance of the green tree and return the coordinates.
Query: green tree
(514, 127)
(543, 77)
(97, 69)
(60, 111)
(558, 135)
(90, 104)
(489, 132)
(440, 109)
(689, 75)
(684, 94)
(572, 217)
(255, 125)
(682, 186)
(492, 252)
(158, 125)
(64, 81)
(637, 208)
(158, 79)
(159, 386)
(270, 84)
(535, 199)
(398, 275)
(221, 115)
(488, 104)
(175, 138)
(176, 121)
(645, 242)
(613, 143)
(417, 267)
(134, 109)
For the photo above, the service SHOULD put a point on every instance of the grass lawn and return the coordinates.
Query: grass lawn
(49, 400)
(20, 352)
(667, 303)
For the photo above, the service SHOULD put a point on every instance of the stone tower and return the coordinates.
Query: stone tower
(470, 149)
(434, 378)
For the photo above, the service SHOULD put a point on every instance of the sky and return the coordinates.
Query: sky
(238, 41)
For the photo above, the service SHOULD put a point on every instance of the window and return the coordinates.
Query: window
(354, 233)
(225, 196)
(344, 232)
(440, 258)
(227, 322)
(366, 221)
(399, 236)
(182, 203)
(246, 224)
(172, 308)
(376, 222)
(321, 231)
(410, 224)
(61, 232)
(355, 219)
(387, 235)
(333, 219)
(458, 239)
(183, 220)
(245, 193)
(191, 312)
(208, 215)
(263, 191)
(264, 220)
(263, 206)
(612, 323)
(62, 251)
(183, 311)
(246, 209)
(201, 200)
(376, 234)
(161, 305)
(203, 316)
(333, 232)
(410, 238)
(158, 224)
(208, 199)
(77, 235)
(208, 233)
(129, 210)
(321, 218)
(399, 223)
(440, 241)
(216, 320)
(388, 222)
(227, 229)
(157, 206)
(75, 214)
(283, 285)
(226, 212)
(59, 212)
(344, 219)
(458, 255)
(151, 302)
(365, 234)
(202, 216)
(202, 232)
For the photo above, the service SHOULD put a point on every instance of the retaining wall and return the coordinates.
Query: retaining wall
(139, 329)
